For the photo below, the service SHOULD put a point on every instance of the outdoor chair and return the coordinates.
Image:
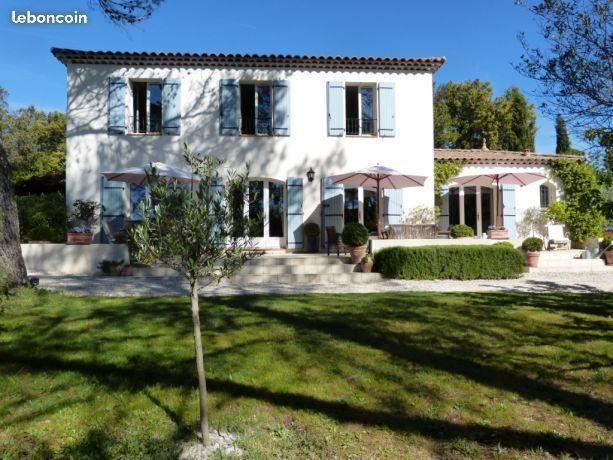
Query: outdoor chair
(119, 237)
(334, 239)
(556, 238)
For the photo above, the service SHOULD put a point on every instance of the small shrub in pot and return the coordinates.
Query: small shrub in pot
(531, 247)
(367, 263)
(462, 231)
(355, 236)
(311, 233)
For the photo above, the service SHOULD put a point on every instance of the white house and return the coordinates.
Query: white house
(285, 116)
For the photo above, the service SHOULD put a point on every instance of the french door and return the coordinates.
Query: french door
(266, 208)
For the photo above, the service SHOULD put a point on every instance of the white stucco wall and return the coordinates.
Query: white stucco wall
(65, 259)
(90, 150)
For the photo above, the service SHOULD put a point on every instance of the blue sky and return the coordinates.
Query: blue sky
(478, 38)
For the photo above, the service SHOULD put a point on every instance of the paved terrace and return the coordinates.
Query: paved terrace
(135, 286)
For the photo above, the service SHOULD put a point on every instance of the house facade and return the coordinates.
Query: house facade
(284, 115)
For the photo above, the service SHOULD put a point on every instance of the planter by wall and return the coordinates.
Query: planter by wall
(78, 238)
(356, 253)
(367, 266)
(531, 258)
(608, 257)
(493, 234)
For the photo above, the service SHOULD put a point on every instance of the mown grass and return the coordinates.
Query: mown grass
(412, 375)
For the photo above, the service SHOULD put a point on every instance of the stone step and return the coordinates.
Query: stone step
(553, 270)
(314, 269)
(336, 278)
(298, 259)
(561, 254)
(578, 263)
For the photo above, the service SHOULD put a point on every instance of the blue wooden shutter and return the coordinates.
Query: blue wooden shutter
(387, 110)
(333, 211)
(228, 107)
(392, 206)
(171, 106)
(295, 213)
(117, 105)
(281, 108)
(443, 219)
(113, 205)
(508, 209)
(336, 108)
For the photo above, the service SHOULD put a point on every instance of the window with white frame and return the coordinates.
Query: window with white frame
(146, 107)
(256, 109)
(360, 110)
(545, 194)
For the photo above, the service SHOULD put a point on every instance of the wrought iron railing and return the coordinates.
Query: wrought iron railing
(360, 126)
(141, 125)
(259, 126)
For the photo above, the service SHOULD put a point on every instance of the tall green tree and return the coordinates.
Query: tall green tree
(516, 121)
(562, 139)
(573, 65)
(464, 115)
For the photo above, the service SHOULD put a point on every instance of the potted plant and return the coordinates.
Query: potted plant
(355, 236)
(111, 267)
(497, 233)
(80, 222)
(532, 246)
(462, 231)
(367, 263)
(311, 233)
(606, 245)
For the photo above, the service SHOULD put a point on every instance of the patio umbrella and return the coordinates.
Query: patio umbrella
(380, 177)
(138, 174)
(512, 178)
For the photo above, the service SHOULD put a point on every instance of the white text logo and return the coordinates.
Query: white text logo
(38, 18)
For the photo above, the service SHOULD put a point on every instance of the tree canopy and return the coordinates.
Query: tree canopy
(127, 11)
(465, 113)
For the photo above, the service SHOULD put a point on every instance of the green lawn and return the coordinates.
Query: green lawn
(411, 375)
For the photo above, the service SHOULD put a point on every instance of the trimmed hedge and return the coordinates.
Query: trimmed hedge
(461, 262)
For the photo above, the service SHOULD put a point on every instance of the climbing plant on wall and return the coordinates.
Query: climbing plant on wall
(443, 172)
(582, 197)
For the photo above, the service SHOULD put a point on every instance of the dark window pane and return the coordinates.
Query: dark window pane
(256, 208)
(454, 206)
(155, 108)
(370, 210)
(275, 203)
(544, 196)
(247, 109)
(351, 205)
(352, 111)
(367, 110)
(264, 110)
(139, 107)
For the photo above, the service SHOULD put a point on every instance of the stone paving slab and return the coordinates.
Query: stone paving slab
(133, 286)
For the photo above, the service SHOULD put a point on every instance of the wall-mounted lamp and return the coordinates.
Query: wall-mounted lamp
(310, 175)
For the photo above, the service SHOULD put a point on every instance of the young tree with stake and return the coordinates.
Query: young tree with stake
(199, 230)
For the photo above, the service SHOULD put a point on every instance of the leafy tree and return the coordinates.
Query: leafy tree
(127, 11)
(198, 233)
(516, 121)
(574, 66)
(562, 139)
(464, 115)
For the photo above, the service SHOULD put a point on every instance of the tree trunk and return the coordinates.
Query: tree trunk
(10, 250)
(204, 418)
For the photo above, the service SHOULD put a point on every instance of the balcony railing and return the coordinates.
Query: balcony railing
(259, 127)
(360, 126)
(149, 125)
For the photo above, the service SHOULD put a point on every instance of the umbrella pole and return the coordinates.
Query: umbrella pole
(498, 207)
(378, 209)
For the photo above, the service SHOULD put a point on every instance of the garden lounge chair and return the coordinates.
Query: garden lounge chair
(556, 238)
(334, 239)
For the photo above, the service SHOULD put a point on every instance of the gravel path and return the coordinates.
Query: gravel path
(128, 286)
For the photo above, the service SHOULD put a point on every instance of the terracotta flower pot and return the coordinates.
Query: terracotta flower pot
(531, 258)
(127, 271)
(608, 257)
(356, 253)
(367, 266)
(115, 270)
(78, 238)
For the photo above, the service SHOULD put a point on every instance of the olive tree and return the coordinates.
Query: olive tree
(199, 230)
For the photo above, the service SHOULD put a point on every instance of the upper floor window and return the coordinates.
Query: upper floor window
(256, 109)
(146, 116)
(545, 196)
(360, 110)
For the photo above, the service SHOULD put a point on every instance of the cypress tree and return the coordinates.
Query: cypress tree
(562, 139)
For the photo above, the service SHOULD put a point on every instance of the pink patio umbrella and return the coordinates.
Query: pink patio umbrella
(380, 177)
(138, 174)
(489, 180)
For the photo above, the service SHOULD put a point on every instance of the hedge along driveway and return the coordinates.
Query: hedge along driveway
(449, 262)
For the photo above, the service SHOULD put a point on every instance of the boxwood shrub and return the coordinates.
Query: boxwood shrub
(462, 231)
(461, 262)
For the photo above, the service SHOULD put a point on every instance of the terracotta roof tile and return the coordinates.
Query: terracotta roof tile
(506, 157)
(69, 56)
